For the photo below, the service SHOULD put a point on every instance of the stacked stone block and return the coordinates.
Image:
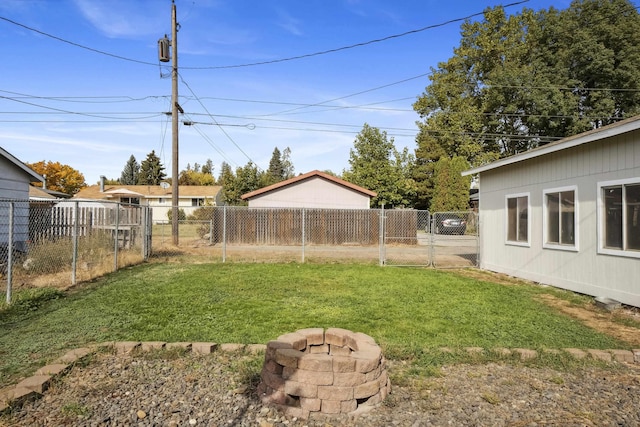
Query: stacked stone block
(313, 371)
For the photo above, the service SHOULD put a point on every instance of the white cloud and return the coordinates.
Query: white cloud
(126, 19)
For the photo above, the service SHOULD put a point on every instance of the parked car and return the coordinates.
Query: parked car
(449, 223)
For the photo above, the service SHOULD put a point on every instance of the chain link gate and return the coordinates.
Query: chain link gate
(421, 238)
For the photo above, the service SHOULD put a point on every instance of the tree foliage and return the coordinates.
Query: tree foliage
(151, 170)
(246, 179)
(130, 173)
(197, 175)
(520, 81)
(377, 166)
(451, 190)
(59, 177)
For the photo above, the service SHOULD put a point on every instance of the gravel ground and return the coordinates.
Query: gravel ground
(172, 389)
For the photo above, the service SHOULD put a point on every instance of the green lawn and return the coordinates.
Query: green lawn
(407, 310)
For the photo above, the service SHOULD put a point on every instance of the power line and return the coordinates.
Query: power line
(274, 61)
(352, 46)
(216, 122)
(76, 44)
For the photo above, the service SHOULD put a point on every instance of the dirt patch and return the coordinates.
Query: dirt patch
(598, 319)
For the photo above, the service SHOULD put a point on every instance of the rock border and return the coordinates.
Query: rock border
(36, 385)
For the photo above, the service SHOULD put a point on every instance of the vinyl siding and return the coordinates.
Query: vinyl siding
(583, 270)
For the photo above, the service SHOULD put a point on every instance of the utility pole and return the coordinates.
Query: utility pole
(165, 56)
(174, 126)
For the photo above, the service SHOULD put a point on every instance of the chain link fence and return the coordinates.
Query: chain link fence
(400, 237)
(61, 242)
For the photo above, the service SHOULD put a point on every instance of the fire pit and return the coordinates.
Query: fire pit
(312, 371)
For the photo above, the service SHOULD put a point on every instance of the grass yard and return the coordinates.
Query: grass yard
(407, 310)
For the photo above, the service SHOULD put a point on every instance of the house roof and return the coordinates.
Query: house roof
(4, 153)
(37, 193)
(306, 176)
(623, 126)
(146, 191)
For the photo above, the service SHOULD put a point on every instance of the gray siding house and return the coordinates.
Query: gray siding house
(313, 189)
(15, 179)
(567, 214)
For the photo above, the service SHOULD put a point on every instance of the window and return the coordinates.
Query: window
(518, 219)
(130, 200)
(197, 202)
(619, 222)
(559, 221)
(161, 200)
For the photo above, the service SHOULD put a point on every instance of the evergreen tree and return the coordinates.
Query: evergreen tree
(130, 172)
(451, 190)
(275, 173)
(151, 170)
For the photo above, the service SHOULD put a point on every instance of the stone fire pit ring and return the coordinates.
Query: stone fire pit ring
(313, 371)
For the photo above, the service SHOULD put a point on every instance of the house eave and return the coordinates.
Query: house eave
(615, 129)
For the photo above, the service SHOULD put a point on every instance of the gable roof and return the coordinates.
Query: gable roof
(146, 191)
(623, 126)
(26, 169)
(303, 177)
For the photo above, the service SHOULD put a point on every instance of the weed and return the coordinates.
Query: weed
(490, 398)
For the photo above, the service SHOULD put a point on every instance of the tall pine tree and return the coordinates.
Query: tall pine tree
(151, 170)
(130, 172)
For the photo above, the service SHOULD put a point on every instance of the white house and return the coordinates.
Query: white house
(190, 197)
(567, 214)
(15, 178)
(314, 189)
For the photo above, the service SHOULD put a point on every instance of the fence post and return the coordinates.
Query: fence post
(74, 259)
(432, 238)
(224, 233)
(303, 234)
(10, 253)
(381, 237)
(211, 231)
(116, 238)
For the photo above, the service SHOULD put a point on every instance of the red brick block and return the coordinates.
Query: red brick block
(54, 369)
(344, 364)
(335, 393)
(75, 355)
(622, 355)
(366, 390)
(297, 341)
(600, 355)
(288, 357)
(309, 377)
(348, 379)
(272, 347)
(315, 336)
(347, 406)
(316, 362)
(331, 406)
(273, 367)
(295, 388)
(153, 345)
(318, 349)
(311, 405)
(37, 383)
(125, 347)
(336, 336)
(204, 347)
(576, 352)
(337, 350)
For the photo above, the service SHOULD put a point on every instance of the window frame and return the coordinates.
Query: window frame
(545, 222)
(601, 218)
(526, 243)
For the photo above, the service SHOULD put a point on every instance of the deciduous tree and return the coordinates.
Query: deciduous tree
(59, 177)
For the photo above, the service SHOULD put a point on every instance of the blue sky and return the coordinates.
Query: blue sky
(93, 108)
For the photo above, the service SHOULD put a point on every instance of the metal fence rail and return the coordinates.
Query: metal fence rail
(60, 242)
(387, 237)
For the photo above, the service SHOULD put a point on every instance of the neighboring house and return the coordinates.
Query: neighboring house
(567, 214)
(190, 197)
(314, 189)
(15, 179)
